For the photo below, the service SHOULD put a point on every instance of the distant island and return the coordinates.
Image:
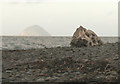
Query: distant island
(34, 30)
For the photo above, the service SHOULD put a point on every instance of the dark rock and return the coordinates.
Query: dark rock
(83, 38)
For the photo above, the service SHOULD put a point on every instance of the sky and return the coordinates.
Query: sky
(58, 17)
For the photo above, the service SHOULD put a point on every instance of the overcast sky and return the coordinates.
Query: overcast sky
(60, 18)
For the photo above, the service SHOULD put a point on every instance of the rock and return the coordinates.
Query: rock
(83, 38)
(86, 60)
(8, 71)
(40, 80)
(66, 73)
(77, 73)
(114, 73)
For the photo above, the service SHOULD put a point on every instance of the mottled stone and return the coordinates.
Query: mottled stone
(83, 38)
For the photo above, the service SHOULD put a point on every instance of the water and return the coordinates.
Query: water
(18, 43)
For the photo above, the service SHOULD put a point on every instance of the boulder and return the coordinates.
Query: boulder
(83, 38)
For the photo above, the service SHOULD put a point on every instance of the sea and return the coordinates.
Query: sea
(37, 42)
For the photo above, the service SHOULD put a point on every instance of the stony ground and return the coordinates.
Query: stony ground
(62, 64)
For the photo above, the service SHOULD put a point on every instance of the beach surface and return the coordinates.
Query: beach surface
(62, 64)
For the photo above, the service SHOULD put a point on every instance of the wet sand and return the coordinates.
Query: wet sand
(62, 64)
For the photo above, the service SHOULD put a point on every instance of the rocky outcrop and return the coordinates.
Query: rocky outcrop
(83, 38)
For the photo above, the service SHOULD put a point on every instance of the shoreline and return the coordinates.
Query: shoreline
(53, 47)
(18, 43)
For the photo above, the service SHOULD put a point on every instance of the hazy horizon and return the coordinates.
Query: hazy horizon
(60, 19)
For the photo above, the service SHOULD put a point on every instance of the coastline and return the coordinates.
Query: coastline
(26, 43)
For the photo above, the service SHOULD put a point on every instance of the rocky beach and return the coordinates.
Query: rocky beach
(88, 59)
(60, 41)
(62, 64)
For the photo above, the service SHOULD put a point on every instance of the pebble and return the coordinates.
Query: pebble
(58, 75)
(44, 50)
(43, 71)
(40, 80)
(86, 60)
(84, 74)
(8, 71)
(114, 73)
(29, 72)
(48, 78)
(22, 74)
(83, 53)
(77, 73)
(116, 58)
(70, 71)
(66, 73)
(54, 78)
